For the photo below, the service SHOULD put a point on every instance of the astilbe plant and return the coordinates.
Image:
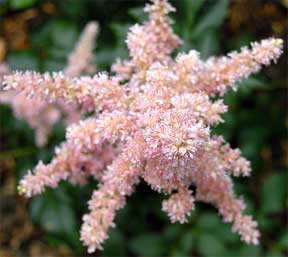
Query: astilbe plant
(41, 115)
(152, 119)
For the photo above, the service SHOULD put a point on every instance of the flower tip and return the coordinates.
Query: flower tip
(91, 249)
(21, 190)
(278, 42)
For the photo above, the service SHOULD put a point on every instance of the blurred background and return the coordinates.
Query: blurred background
(39, 35)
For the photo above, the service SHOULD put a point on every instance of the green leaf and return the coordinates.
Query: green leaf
(283, 242)
(187, 242)
(208, 44)
(224, 232)
(251, 138)
(56, 53)
(105, 57)
(64, 35)
(148, 245)
(120, 31)
(138, 14)
(23, 60)
(53, 212)
(252, 83)
(212, 19)
(115, 245)
(266, 223)
(20, 4)
(249, 250)
(191, 8)
(210, 245)
(208, 221)
(273, 193)
(36, 206)
(52, 65)
(173, 231)
(273, 253)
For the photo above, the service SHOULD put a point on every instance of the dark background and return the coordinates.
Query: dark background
(39, 35)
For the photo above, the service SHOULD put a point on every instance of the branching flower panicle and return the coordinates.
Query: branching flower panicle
(40, 114)
(151, 120)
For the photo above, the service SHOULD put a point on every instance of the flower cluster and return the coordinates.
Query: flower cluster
(41, 115)
(151, 120)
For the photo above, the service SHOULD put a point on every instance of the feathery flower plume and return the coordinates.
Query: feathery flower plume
(38, 113)
(154, 41)
(151, 120)
(100, 91)
(79, 61)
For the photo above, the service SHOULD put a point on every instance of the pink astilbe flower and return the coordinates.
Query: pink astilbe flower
(38, 114)
(79, 61)
(216, 75)
(70, 163)
(89, 93)
(155, 40)
(41, 115)
(122, 69)
(179, 205)
(151, 120)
